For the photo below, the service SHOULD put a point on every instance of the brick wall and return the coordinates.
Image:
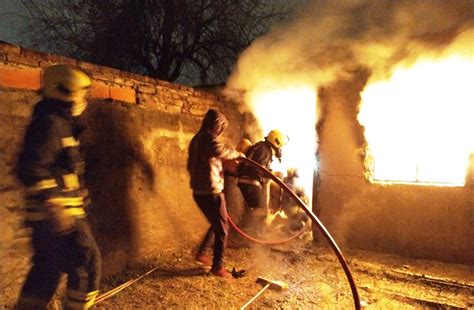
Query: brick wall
(136, 150)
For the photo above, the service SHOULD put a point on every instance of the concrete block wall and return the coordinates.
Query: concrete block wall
(136, 144)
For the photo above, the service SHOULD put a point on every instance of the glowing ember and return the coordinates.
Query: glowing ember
(419, 124)
(291, 110)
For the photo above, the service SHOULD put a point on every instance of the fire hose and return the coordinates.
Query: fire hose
(316, 221)
(310, 213)
(266, 242)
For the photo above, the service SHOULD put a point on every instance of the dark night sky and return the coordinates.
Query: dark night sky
(10, 22)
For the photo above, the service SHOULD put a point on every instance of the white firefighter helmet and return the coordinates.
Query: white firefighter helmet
(277, 138)
(68, 84)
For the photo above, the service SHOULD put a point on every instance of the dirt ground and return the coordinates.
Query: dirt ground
(312, 272)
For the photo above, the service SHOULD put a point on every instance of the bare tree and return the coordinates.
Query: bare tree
(190, 41)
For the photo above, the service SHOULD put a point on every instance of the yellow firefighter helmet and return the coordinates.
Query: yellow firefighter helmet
(68, 84)
(277, 138)
(244, 145)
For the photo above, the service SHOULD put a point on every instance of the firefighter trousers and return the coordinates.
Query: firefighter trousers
(75, 254)
(253, 219)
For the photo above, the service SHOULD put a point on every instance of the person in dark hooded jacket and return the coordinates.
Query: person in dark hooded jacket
(207, 182)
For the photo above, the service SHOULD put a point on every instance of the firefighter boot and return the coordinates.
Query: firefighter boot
(80, 301)
(257, 225)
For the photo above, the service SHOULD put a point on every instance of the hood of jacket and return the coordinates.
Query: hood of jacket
(214, 123)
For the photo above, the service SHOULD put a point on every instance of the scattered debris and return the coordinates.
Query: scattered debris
(315, 282)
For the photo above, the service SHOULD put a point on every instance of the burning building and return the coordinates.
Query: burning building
(386, 86)
(375, 96)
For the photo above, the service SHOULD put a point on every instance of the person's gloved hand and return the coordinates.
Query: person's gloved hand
(62, 222)
(231, 165)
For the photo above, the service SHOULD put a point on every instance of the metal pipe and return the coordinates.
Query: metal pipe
(121, 287)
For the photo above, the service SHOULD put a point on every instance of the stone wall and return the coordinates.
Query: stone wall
(136, 150)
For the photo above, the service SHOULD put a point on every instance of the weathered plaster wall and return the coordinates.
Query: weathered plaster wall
(416, 221)
(136, 151)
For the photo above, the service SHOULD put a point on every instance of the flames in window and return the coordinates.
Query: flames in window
(419, 123)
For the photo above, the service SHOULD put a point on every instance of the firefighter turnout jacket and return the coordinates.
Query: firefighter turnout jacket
(262, 153)
(51, 164)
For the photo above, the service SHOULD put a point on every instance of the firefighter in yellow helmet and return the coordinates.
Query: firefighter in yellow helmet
(51, 166)
(250, 181)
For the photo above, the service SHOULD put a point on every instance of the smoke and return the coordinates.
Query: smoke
(330, 40)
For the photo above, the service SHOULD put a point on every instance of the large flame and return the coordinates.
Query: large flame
(292, 110)
(419, 124)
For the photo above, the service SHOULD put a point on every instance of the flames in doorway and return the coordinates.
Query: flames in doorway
(292, 110)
